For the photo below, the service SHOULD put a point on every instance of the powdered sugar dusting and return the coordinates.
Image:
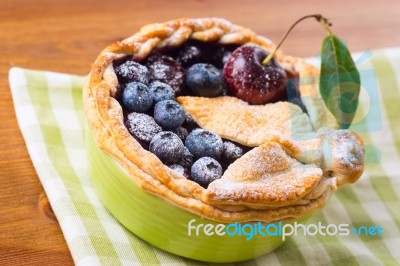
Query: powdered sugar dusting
(205, 170)
(167, 70)
(232, 151)
(142, 126)
(265, 175)
(347, 148)
(167, 147)
(177, 168)
(132, 71)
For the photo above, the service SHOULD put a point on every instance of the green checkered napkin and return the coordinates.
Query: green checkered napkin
(50, 114)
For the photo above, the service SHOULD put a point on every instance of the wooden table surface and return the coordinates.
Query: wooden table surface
(66, 36)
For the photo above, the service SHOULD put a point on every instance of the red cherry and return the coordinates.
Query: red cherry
(248, 79)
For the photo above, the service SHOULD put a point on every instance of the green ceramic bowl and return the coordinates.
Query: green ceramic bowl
(161, 223)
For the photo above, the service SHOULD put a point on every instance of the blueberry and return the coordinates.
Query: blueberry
(167, 147)
(232, 152)
(203, 143)
(132, 71)
(137, 97)
(205, 170)
(169, 114)
(161, 91)
(142, 127)
(205, 80)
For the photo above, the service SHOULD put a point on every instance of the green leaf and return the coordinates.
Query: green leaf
(339, 81)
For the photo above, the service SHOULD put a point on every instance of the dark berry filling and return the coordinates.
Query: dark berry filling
(193, 52)
(181, 132)
(189, 55)
(165, 69)
(189, 123)
(147, 89)
(187, 159)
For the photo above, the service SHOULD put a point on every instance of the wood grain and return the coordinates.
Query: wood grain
(66, 36)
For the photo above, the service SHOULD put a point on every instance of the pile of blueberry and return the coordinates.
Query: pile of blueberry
(161, 125)
(147, 91)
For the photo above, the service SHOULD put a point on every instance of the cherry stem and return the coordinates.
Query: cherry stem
(324, 22)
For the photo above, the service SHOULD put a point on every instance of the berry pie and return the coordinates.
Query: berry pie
(190, 111)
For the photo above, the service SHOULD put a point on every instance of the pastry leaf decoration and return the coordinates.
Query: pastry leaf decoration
(339, 82)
